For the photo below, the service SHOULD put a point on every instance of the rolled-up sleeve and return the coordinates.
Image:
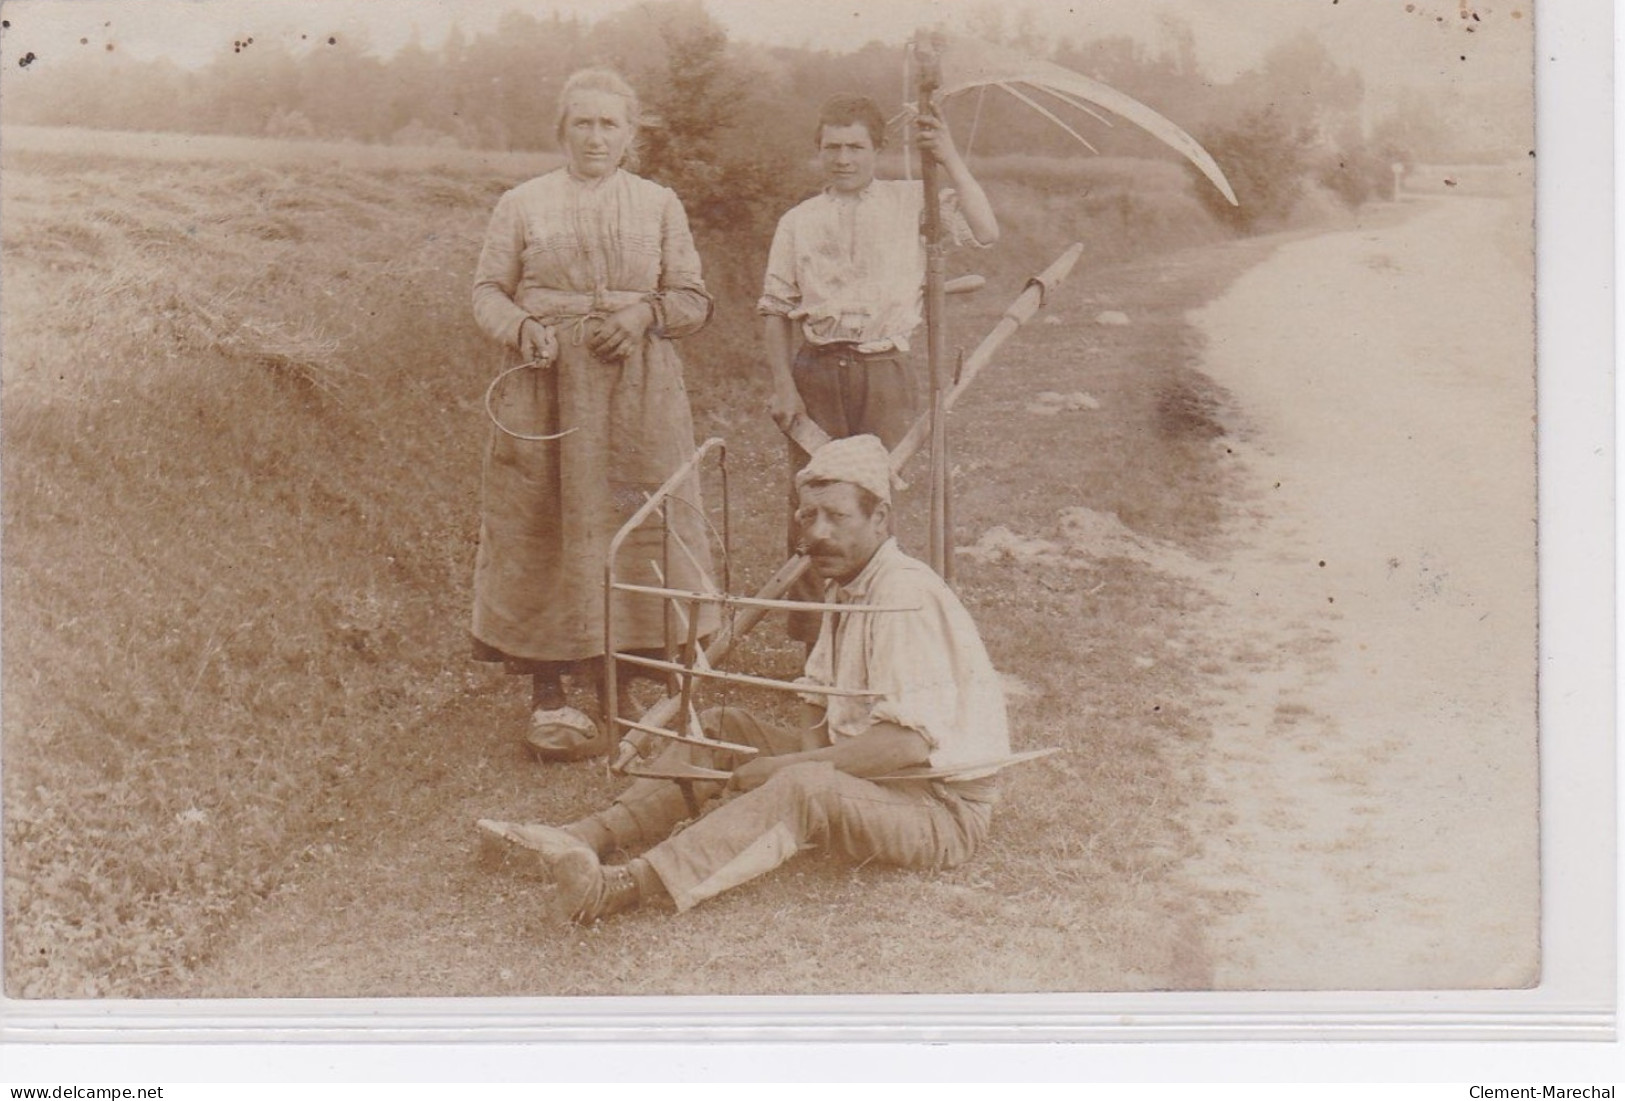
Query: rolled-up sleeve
(682, 305)
(497, 275)
(932, 672)
(780, 292)
(912, 667)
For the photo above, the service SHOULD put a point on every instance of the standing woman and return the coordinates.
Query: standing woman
(588, 273)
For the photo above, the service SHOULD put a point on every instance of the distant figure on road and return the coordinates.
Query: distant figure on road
(934, 704)
(847, 271)
(589, 273)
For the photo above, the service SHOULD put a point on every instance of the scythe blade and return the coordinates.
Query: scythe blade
(968, 63)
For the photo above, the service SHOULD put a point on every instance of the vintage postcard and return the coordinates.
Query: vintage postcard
(1172, 562)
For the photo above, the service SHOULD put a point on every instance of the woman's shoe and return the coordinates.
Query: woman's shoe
(565, 734)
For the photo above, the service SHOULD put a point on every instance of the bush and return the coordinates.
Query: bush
(1267, 160)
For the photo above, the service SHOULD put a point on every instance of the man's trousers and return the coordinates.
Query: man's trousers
(913, 824)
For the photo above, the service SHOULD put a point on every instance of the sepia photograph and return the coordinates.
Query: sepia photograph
(565, 498)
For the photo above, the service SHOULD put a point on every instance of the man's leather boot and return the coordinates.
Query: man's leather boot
(588, 891)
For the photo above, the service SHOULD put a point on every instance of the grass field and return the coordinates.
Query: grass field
(243, 748)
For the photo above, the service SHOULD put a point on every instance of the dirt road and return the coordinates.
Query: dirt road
(1372, 822)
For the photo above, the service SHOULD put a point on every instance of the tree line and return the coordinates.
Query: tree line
(734, 121)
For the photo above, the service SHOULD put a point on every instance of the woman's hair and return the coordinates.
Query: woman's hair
(851, 110)
(611, 83)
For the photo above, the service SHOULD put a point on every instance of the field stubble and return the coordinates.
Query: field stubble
(243, 748)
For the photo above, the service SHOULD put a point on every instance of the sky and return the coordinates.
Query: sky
(1392, 42)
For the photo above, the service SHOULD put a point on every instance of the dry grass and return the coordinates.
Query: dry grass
(242, 744)
(234, 502)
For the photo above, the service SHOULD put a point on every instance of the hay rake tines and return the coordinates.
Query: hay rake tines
(676, 718)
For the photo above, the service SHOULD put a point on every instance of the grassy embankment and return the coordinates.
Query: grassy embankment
(242, 744)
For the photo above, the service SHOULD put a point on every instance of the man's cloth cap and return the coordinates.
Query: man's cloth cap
(861, 460)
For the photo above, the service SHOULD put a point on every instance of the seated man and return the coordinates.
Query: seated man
(933, 701)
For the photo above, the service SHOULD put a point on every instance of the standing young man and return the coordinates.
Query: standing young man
(847, 270)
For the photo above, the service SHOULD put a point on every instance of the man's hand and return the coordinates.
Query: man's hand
(753, 774)
(616, 336)
(935, 139)
(787, 404)
(776, 341)
(537, 344)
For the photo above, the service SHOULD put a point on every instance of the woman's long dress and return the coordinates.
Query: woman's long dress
(561, 250)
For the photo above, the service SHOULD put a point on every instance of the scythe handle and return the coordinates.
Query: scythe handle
(928, 56)
(1019, 312)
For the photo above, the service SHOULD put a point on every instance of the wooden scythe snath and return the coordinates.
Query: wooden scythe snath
(928, 62)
